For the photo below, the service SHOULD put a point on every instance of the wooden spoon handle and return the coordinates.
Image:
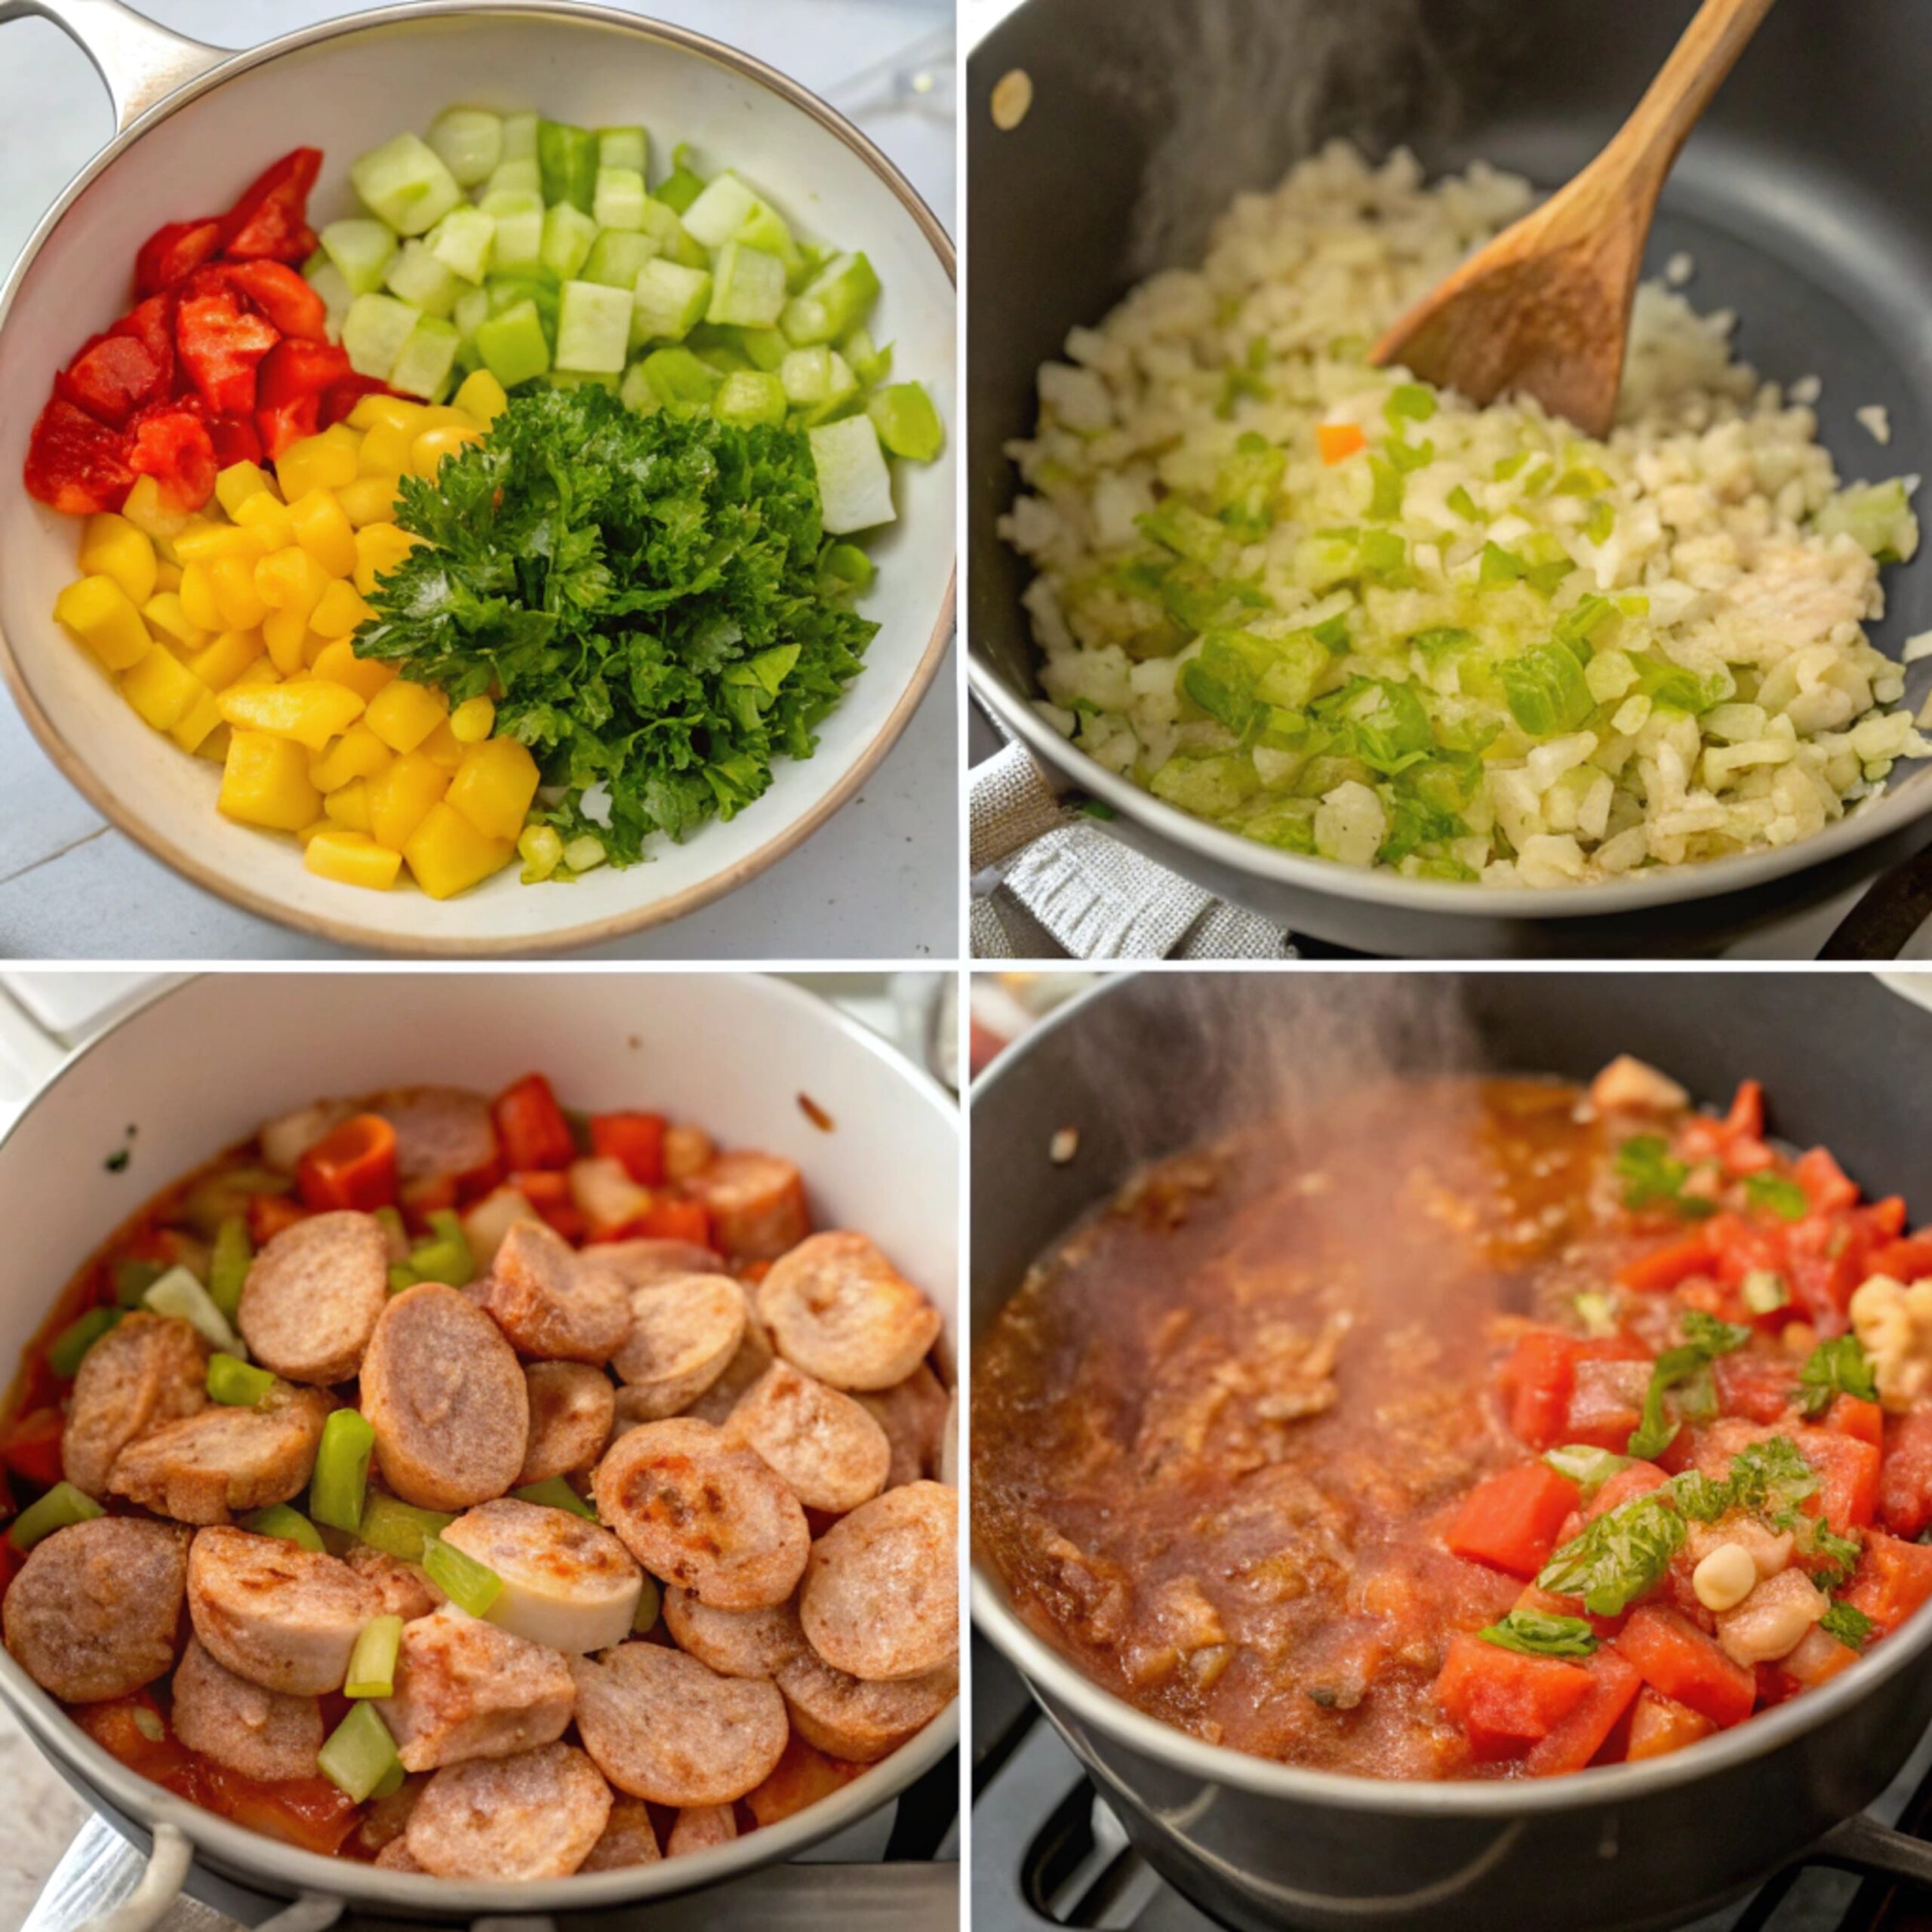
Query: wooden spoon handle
(1684, 84)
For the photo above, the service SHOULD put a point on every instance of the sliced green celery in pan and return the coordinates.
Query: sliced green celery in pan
(359, 1758)
(749, 396)
(362, 250)
(1876, 516)
(513, 346)
(400, 1529)
(61, 1508)
(66, 1351)
(404, 183)
(291, 1525)
(517, 234)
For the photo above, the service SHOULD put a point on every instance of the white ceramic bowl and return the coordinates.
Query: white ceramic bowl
(201, 1066)
(344, 86)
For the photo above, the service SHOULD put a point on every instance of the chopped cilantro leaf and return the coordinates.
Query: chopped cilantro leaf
(1785, 1198)
(1618, 1558)
(1706, 1338)
(1653, 1177)
(1835, 1368)
(1848, 1623)
(1537, 1634)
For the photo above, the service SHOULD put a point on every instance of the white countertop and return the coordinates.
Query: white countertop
(880, 882)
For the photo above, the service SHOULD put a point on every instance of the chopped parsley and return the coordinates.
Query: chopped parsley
(1537, 1634)
(1846, 1622)
(1653, 1177)
(1687, 1366)
(1785, 1198)
(1619, 1558)
(1835, 1368)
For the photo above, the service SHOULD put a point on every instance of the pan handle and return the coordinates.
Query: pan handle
(141, 62)
(1863, 1845)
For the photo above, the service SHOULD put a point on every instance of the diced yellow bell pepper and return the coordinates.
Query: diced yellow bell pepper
(480, 395)
(473, 720)
(379, 547)
(165, 616)
(198, 599)
(427, 452)
(315, 462)
(371, 411)
(305, 833)
(289, 579)
(214, 746)
(100, 614)
(403, 714)
(112, 546)
(204, 542)
(348, 805)
(339, 610)
(241, 605)
(262, 672)
(286, 635)
(358, 753)
(149, 511)
(197, 724)
(443, 745)
(312, 647)
(447, 854)
(322, 530)
(219, 664)
(238, 482)
(400, 794)
(167, 575)
(340, 665)
(266, 782)
(369, 499)
(310, 713)
(268, 519)
(494, 786)
(353, 858)
(385, 450)
(161, 688)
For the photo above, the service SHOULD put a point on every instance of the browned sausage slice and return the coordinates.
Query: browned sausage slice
(95, 1610)
(572, 1407)
(753, 1358)
(838, 1309)
(629, 1838)
(146, 1370)
(683, 1331)
(464, 1689)
(757, 1203)
(533, 1815)
(402, 1589)
(645, 1259)
(881, 1591)
(220, 1462)
(552, 1302)
(697, 1510)
(283, 1617)
(445, 1396)
(831, 1454)
(566, 1582)
(397, 1856)
(439, 1131)
(845, 1717)
(700, 1827)
(662, 1726)
(260, 1733)
(913, 1414)
(734, 1643)
(309, 1304)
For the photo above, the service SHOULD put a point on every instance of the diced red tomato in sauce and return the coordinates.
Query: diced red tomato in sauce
(1511, 1521)
(1679, 1660)
(1894, 1579)
(1504, 1701)
(1574, 1740)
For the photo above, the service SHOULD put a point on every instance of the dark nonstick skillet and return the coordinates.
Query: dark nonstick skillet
(1147, 1066)
(1801, 197)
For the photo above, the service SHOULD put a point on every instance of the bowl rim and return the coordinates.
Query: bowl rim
(347, 930)
(249, 1856)
(1061, 1686)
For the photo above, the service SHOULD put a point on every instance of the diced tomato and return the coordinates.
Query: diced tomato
(172, 253)
(1847, 1497)
(1852, 1415)
(1504, 1701)
(530, 1126)
(674, 1220)
(1824, 1182)
(636, 1140)
(1668, 1266)
(1608, 1404)
(1760, 1388)
(1510, 1521)
(549, 1192)
(1830, 1257)
(235, 438)
(30, 1446)
(1746, 1116)
(1639, 1479)
(1573, 1741)
(112, 378)
(1904, 1477)
(170, 442)
(352, 1166)
(1894, 1579)
(115, 1724)
(309, 1813)
(1819, 1658)
(1658, 1727)
(75, 464)
(288, 300)
(1741, 1247)
(271, 218)
(1677, 1658)
(1907, 1259)
(270, 1213)
(1535, 1383)
(221, 346)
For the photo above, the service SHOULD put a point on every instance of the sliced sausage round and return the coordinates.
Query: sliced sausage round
(830, 1453)
(913, 1414)
(757, 1203)
(572, 1407)
(846, 1717)
(263, 1734)
(838, 1309)
(464, 1689)
(734, 1643)
(310, 1302)
(662, 1726)
(402, 1589)
(700, 1828)
(566, 1582)
(283, 1617)
(629, 1838)
(397, 1856)
(440, 1131)
(445, 1396)
(881, 1597)
(646, 1259)
(146, 1370)
(220, 1462)
(697, 1509)
(753, 1358)
(95, 1610)
(533, 1815)
(552, 1302)
(683, 1331)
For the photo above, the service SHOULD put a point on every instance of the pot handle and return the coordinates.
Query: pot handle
(141, 62)
(152, 1899)
(1863, 1845)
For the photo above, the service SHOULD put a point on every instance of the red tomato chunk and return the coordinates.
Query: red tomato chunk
(1512, 1521)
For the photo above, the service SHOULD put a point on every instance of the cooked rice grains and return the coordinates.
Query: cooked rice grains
(1344, 614)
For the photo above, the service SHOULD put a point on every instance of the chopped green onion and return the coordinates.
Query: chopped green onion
(648, 1605)
(1763, 1291)
(148, 1724)
(372, 1662)
(1706, 1339)
(1835, 1368)
(389, 1219)
(64, 1351)
(1597, 1313)
(133, 1279)
(1588, 1467)
(401, 1276)
(1464, 505)
(400, 1529)
(291, 1525)
(178, 1293)
(1546, 689)
(228, 1262)
(1409, 402)
(468, 1584)
(447, 1258)
(1785, 1198)
(1536, 1633)
(341, 1477)
(359, 1754)
(553, 1493)
(61, 1508)
(237, 1384)
(1385, 499)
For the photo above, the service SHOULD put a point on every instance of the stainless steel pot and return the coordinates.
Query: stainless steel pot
(1262, 1845)
(1799, 198)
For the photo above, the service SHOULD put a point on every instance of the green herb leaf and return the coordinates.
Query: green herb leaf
(1537, 1634)
(1706, 1338)
(1838, 1368)
(1785, 1198)
(1848, 1624)
(1619, 1558)
(1653, 1177)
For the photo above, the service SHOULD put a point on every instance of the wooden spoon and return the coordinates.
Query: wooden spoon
(1544, 310)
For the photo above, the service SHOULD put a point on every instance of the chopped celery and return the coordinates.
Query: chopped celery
(649, 1601)
(469, 141)
(359, 1754)
(618, 201)
(372, 1662)
(680, 187)
(61, 1508)
(520, 137)
(423, 366)
(1547, 691)
(401, 1276)
(748, 287)
(177, 1293)
(236, 1384)
(593, 328)
(338, 1486)
(406, 184)
(445, 1258)
(522, 176)
(1876, 516)
(854, 485)
(461, 242)
(806, 374)
(553, 1493)
(471, 312)
(717, 214)
(635, 391)
(66, 1351)
(870, 364)
(567, 234)
(766, 349)
(468, 1584)
(374, 331)
(326, 279)
(290, 1525)
(361, 250)
(678, 377)
(229, 1260)
(416, 275)
(668, 301)
(518, 242)
(907, 424)
(748, 397)
(400, 1529)
(568, 156)
(624, 147)
(834, 302)
(616, 257)
(133, 1279)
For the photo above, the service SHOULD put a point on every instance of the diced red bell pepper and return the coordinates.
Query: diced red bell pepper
(1908, 1258)
(111, 378)
(151, 323)
(75, 464)
(1639, 1479)
(295, 378)
(1746, 1117)
(270, 1213)
(1535, 1383)
(170, 442)
(1760, 1388)
(636, 1140)
(235, 438)
(291, 423)
(30, 1446)
(1678, 1659)
(1852, 1415)
(1894, 1579)
(271, 217)
(530, 1126)
(674, 1219)
(1671, 1264)
(1904, 1477)
(173, 253)
(1503, 1701)
(288, 300)
(1510, 1521)
(1573, 1741)
(221, 346)
(1847, 1497)
(1824, 1182)
(1658, 1727)
(352, 1166)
